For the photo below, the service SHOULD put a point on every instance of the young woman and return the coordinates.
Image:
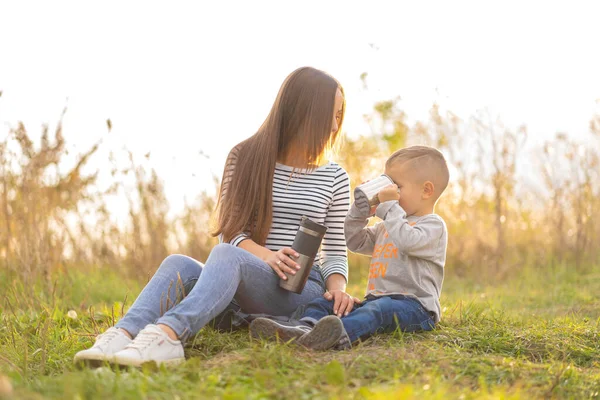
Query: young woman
(270, 181)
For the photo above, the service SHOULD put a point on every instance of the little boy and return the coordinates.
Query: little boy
(408, 253)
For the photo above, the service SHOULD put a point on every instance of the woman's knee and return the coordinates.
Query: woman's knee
(178, 263)
(224, 255)
(223, 251)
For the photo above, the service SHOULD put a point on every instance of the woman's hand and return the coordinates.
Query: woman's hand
(343, 303)
(281, 261)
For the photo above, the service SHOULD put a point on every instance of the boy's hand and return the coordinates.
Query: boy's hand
(343, 303)
(390, 192)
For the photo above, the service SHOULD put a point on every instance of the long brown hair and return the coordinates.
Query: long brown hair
(301, 116)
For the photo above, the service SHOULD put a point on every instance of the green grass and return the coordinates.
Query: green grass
(536, 335)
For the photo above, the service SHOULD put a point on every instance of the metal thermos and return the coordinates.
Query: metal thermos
(306, 244)
(366, 195)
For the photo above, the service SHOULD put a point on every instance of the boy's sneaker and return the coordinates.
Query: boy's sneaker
(266, 328)
(103, 350)
(343, 343)
(327, 333)
(152, 344)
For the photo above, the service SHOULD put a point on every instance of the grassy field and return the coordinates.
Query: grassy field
(534, 336)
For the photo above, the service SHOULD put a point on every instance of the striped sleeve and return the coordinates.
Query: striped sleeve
(236, 239)
(334, 254)
(239, 239)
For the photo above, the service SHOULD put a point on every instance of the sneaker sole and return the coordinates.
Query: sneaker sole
(90, 363)
(264, 328)
(135, 362)
(93, 361)
(324, 335)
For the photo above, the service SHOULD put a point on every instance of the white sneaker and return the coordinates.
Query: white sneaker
(151, 344)
(106, 345)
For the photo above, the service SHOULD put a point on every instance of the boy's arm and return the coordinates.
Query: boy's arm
(421, 240)
(359, 237)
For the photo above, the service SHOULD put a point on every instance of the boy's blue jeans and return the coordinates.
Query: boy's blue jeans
(376, 314)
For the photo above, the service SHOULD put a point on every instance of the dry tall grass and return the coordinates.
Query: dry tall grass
(500, 217)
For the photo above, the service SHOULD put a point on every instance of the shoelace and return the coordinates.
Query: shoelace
(105, 338)
(143, 340)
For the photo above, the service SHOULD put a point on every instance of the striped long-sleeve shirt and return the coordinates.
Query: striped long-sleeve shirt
(323, 195)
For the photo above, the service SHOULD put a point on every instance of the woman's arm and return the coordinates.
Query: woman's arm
(336, 282)
(334, 254)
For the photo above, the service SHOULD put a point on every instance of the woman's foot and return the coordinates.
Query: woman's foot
(152, 344)
(105, 347)
(266, 328)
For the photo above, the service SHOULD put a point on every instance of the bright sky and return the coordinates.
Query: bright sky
(177, 78)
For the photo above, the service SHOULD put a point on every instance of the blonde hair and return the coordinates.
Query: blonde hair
(425, 163)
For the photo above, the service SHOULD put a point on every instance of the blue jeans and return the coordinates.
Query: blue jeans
(186, 295)
(375, 315)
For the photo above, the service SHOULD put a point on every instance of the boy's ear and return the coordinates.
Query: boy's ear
(428, 189)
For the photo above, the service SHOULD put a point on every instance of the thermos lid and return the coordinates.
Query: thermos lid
(311, 225)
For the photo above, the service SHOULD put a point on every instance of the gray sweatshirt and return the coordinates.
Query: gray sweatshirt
(407, 253)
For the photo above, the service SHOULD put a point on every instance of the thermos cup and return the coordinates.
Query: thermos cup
(365, 195)
(306, 244)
